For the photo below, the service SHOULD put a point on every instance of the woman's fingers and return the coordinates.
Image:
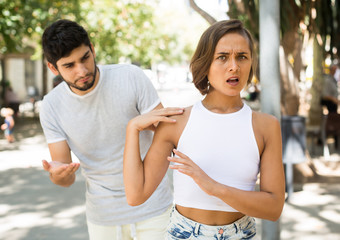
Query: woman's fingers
(181, 159)
(180, 154)
(145, 121)
(163, 114)
(169, 111)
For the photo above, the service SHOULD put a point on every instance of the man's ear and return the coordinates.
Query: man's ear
(52, 68)
(93, 52)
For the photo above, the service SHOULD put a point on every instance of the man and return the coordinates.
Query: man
(87, 114)
(329, 97)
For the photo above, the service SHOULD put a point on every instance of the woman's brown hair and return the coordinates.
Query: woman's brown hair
(203, 56)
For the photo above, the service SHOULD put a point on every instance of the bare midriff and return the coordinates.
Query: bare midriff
(208, 217)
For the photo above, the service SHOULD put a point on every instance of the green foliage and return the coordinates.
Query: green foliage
(126, 31)
(10, 26)
(123, 30)
(22, 22)
(246, 11)
(320, 17)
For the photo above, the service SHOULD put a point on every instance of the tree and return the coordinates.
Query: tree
(300, 21)
(201, 12)
(123, 30)
(22, 24)
(127, 31)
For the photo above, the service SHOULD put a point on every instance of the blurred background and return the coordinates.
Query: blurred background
(160, 37)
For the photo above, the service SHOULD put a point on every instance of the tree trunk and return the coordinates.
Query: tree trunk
(290, 101)
(201, 12)
(315, 112)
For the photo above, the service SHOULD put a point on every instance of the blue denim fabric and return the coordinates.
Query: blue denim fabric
(181, 227)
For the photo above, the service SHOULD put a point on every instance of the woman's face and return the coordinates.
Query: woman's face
(231, 65)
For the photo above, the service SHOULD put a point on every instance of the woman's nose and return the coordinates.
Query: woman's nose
(233, 66)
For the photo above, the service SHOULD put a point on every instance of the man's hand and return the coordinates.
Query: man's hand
(62, 174)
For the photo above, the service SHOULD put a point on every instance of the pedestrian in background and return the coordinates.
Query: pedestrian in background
(8, 124)
(329, 96)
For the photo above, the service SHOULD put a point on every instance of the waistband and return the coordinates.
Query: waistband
(235, 227)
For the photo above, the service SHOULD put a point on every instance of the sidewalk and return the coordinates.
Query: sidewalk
(32, 208)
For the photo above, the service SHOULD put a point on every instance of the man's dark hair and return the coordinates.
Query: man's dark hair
(61, 37)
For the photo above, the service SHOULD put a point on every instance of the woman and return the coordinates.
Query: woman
(220, 146)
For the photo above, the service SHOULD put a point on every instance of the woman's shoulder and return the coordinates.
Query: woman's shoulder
(265, 124)
(175, 129)
(183, 117)
(264, 118)
(266, 128)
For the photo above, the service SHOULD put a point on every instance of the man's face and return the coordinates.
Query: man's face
(78, 69)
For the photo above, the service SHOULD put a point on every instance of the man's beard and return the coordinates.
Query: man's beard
(87, 85)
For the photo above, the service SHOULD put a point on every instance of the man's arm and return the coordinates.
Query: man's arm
(61, 169)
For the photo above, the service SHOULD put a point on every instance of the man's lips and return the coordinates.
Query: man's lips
(83, 80)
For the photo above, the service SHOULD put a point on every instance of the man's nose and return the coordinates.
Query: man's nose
(82, 70)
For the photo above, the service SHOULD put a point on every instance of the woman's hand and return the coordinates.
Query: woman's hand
(150, 120)
(188, 167)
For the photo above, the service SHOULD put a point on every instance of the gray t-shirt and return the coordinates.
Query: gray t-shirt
(94, 127)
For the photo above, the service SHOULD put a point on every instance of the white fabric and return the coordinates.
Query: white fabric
(94, 127)
(225, 148)
(136, 231)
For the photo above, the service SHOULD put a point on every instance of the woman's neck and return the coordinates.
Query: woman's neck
(222, 104)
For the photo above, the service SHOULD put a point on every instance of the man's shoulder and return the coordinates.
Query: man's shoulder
(122, 73)
(118, 67)
(55, 92)
(52, 98)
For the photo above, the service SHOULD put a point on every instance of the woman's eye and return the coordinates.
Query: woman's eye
(221, 58)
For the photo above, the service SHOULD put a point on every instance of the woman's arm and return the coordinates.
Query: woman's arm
(141, 178)
(268, 202)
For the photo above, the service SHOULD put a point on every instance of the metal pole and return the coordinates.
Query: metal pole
(270, 80)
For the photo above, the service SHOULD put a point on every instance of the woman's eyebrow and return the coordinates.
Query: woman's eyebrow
(223, 53)
(226, 53)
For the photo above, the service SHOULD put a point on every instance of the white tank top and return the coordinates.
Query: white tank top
(225, 148)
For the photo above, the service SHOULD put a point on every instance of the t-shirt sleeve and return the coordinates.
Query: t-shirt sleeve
(147, 97)
(49, 123)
